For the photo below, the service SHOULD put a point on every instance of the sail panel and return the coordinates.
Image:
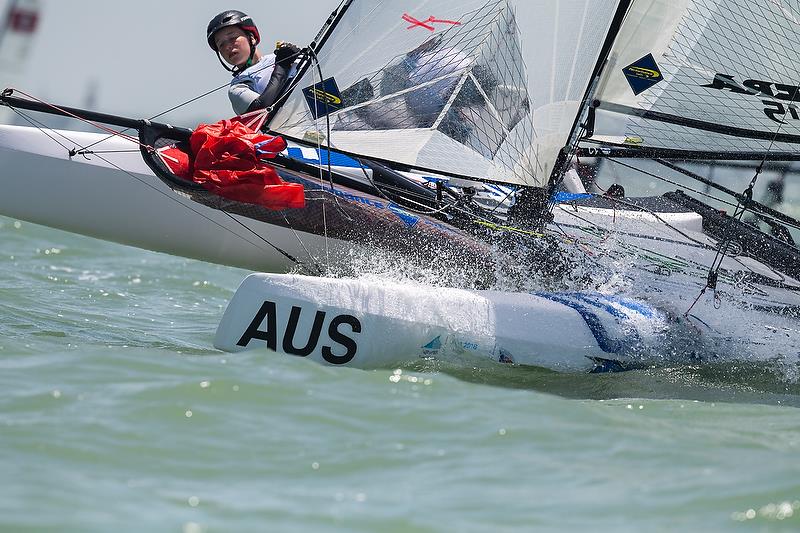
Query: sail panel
(713, 75)
(489, 90)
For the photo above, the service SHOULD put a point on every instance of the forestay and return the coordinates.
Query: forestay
(485, 91)
(718, 76)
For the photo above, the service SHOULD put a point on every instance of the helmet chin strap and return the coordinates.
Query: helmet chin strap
(225, 65)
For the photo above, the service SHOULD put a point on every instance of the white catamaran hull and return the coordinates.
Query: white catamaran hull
(114, 196)
(373, 324)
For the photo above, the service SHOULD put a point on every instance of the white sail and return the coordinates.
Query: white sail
(710, 75)
(488, 91)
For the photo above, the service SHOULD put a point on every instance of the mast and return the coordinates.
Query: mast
(327, 29)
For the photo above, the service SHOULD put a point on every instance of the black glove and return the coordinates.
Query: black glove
(285, 54)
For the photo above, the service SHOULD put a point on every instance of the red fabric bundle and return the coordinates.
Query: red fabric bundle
(226, 163)
(177, 161)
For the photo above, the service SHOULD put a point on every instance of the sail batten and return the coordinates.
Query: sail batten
(714, 127)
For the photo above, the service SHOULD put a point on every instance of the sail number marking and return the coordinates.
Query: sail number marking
(268, 316)
(775, 110)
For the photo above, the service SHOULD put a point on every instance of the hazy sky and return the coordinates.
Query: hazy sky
(146, 56)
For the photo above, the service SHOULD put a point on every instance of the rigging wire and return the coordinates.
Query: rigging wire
(671, 182)
(775, 272)
(200, 97)
(318, 70)
(701, 193)
(158, 115)
(320, 270)
(44, 130)
(741, 208)
(99, 126)
(756, 208)
(41, 126)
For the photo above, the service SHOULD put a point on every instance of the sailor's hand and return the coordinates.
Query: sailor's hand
(285, 54)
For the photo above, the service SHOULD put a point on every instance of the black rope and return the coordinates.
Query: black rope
(320, 271)
(284, 253)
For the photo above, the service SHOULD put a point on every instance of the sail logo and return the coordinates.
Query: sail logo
(428, 23)
(759, 88)
(327, 98)
(643, 74)
(295, 333)
(323, 98)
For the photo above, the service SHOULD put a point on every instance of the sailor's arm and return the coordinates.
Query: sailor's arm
(285, 56)
(241, 96)
(273, 89)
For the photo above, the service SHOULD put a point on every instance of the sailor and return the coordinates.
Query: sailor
(258, 79)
